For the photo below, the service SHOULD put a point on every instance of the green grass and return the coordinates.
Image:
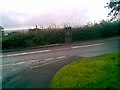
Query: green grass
(96, 72)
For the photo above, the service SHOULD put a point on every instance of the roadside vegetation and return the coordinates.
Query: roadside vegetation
(96, 72)
(57, 35)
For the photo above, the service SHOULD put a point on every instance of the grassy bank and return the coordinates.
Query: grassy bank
(96, 72)
(53, 36)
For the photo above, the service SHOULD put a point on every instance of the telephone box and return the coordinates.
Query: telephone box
(68, 34)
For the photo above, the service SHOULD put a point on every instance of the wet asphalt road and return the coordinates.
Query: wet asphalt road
(36, 68)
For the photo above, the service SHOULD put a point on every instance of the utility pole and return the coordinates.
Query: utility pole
(36, 29)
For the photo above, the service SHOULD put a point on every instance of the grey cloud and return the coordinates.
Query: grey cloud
(10, 19)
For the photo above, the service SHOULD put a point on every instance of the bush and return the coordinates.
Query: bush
(14, 40)
(52, 36)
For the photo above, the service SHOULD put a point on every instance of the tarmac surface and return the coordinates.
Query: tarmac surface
(35, 68)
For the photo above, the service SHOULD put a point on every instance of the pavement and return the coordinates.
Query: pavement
(35, 68)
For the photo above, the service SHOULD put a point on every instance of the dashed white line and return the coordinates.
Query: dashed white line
(87, 45)
(1, 56)
(13, 64)
(20, 63)
(25, 53)
(23, 62)
(38, 51)
(43, 64)
(31, 61)
(13, 70)
(61, 57)
(57, 59)
(48, 59)
(5, 64)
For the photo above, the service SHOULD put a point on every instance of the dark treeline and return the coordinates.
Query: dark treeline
(52, 36)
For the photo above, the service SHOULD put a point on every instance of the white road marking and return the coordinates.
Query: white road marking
(48, 59)
(12, 64)
(43, 64)
(13, 70)
(87, 45)
(31, 61)
(38, 51)
(1, 56)
(61, 57)
(5, 64)
(20, 63)
(49, 62)
(25, 53)
(11, 55)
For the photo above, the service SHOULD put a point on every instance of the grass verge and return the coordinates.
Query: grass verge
(96, 72)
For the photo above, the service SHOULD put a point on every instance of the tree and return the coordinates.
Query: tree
(114, 5)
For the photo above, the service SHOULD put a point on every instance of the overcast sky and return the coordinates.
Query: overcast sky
(28, 13)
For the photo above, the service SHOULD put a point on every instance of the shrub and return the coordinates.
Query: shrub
(52, 36)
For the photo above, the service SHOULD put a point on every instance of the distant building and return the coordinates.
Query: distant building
(1, 30)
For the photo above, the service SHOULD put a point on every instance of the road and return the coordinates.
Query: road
(35, 68)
